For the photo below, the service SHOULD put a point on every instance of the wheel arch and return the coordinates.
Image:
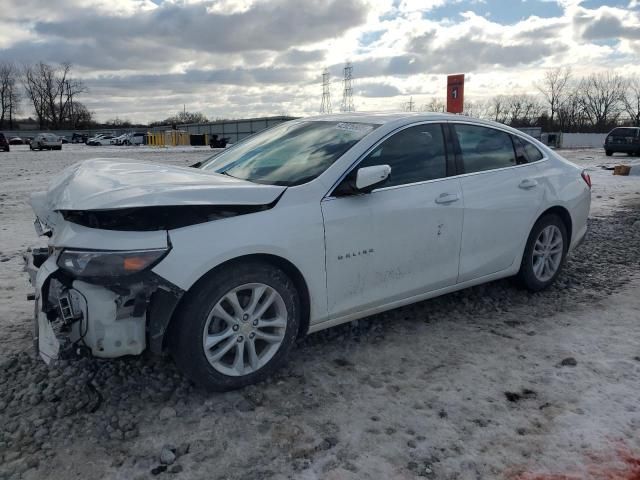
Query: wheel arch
(285, 265)
(564, 215)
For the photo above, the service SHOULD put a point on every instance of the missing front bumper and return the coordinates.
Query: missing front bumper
(75, 318)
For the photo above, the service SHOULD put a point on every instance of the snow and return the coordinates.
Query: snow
(420, 393)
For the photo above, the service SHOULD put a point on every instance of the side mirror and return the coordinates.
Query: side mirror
(367, 178)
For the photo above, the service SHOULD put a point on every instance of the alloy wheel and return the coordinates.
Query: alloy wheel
(244, 329)
(547, 253)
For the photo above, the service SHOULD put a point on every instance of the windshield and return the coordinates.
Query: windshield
(289, 154)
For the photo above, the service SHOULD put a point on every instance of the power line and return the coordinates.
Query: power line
(410, 105)
(325, 106)
(347, 93)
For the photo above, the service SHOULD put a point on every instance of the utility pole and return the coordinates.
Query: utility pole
(325, 106)
(347, 93)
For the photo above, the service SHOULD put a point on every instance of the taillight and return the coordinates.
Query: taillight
(586, 178)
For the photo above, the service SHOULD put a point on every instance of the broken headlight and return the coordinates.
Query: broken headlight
(88, 263)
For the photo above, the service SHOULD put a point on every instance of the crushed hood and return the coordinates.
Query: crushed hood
(102, 184)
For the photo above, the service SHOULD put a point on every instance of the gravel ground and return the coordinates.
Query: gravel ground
(491, 382)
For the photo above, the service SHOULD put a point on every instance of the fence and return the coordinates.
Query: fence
(234, 130)
(582, 140)
(169, 138)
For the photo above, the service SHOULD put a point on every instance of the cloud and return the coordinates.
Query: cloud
(377, 90)
(295, 56)
(276, 25)
(609, 26)
(143, 59)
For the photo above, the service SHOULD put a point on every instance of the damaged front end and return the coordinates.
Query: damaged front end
(100, 303)
(108, 224)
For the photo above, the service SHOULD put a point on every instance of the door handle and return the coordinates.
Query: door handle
(527, 184)
(446, 198)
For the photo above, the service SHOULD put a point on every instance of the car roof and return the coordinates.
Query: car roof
(405, 118)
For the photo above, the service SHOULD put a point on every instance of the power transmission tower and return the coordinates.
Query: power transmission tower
(325, 106)
(347, 93)
(410, 105)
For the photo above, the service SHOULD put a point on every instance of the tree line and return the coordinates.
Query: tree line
(51, 92)
(594, 103)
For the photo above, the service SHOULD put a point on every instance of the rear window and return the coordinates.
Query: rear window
(624, 132)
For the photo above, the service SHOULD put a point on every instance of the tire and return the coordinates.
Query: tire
(608, 153)
(196, 321)
(531, 275)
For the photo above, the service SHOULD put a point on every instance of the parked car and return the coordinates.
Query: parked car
(623, 139)
(16, 141)
(216, 142)
(298, 228)
(102, 140)
(79, 138)
(4, 144)
(46, 141)
(64, 139)
(135, 138)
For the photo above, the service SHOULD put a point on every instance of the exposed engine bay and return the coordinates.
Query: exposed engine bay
(79, 318)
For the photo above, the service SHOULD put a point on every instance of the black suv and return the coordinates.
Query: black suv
(4, 143)
(623, 139)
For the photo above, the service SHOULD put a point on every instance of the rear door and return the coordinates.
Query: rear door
(502, 195)
(402, 239)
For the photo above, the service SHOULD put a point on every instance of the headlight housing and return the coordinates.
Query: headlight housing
(116, 263)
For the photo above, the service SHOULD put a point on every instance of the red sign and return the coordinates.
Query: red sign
(455, 93)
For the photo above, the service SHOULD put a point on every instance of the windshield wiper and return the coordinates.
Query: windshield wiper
(226, 173)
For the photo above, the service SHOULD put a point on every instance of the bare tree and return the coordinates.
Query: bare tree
(571, 114)
(602, 96)
(434, 104)
(476, 109)
(9, 93)
(52, 92)
(498, 109)
(632, 100)
(554, 89)
(523, 110)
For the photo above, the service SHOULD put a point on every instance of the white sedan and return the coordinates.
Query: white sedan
(102, 140)
(309, 224)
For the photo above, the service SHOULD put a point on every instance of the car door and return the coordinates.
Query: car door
(502, 195)
(403, 238)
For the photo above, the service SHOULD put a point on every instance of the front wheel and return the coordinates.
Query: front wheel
(608, 153)
(236, 327)
(544, 254)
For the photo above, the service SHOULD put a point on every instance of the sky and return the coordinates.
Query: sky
(143, 60)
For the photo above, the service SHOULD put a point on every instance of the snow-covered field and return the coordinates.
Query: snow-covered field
(488, 383)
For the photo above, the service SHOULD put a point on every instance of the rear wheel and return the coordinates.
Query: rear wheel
(237, 327)
(608, 153)
(544, 254)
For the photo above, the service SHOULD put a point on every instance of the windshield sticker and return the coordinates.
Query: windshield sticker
(354, 127)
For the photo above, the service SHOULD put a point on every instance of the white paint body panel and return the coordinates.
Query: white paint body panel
(496, 213)
(391, 244)
(107, 184)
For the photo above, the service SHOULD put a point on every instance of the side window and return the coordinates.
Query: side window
(484, 148)
(521, 155)
(533, 154)
(415, 154)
